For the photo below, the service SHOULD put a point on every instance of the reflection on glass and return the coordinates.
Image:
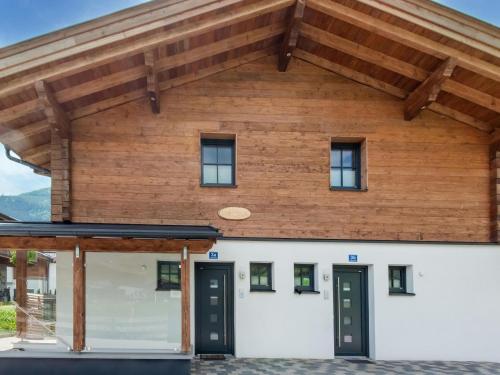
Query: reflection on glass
(209, 174)
(214, 336)
(347, 158)
(225, 155)
(213, 318)
(335, 161)
(348, 338)
(349, 177)
(347, 320)
(210, 154)
(214, 300)
(346, 286)
(335, 179)
(347, 303)
(214, 283)
(225, 174)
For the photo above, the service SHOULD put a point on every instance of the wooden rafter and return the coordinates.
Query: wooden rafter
(60, 152)
(292, 35)
(405, 37)
(495, 187)
(435, 22)
(139, 45)
(395, 65)
(387, 88)
(428, 90)
(153, 87)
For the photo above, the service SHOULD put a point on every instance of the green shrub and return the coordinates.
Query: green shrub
(7, 318)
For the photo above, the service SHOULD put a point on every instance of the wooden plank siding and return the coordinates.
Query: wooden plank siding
(429, 179)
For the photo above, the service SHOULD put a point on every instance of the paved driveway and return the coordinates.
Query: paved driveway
(337, 367)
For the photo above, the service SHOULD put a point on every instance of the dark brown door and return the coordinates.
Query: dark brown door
(350, 311)
(214, 308)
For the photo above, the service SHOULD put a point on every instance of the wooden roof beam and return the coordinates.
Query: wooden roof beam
(153, 86)
(428, 90)
(292, 35)
(395, 65)
(387, 88)
(27, 131)
(103, 56)
(56, 116)
(405, 37)
(433, 21)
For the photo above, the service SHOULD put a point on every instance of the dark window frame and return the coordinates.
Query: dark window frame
(219, 142)
(402, 271)
(356, 164)
(160, 285)
(310, 272)
(269, 269)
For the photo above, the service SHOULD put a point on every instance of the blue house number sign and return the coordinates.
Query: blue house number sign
(213, 255)
(353, 258)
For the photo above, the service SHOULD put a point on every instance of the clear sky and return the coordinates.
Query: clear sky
(24, 19)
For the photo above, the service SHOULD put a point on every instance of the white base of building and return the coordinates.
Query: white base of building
(454, 314)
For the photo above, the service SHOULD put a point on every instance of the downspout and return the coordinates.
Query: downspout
(36, 168)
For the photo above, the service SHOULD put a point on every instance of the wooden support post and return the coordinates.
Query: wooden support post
(292, 36)
(428, 90)
(153, 86)
(495, 187)
(21, 292)
(60, 152)
(186, 296)
(78, 300)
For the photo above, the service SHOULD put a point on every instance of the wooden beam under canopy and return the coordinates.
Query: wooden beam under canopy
(21, 292)
(105, 244)
(186, 301)
(78, 300)
(495, 186)
(292, 35)
(153, 86)
(428, 90)
(60, 152)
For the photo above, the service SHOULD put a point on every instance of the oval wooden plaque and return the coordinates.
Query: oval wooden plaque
(234, 213)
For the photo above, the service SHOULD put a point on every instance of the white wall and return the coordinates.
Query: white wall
(455, 314)
(124, 311)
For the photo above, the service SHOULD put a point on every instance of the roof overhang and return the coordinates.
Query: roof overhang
(106, 237)
(425, 54)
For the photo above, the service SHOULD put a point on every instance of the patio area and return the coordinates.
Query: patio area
(338, 367)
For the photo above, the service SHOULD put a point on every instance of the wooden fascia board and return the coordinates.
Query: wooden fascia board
(152, 85)
(117, 245)
(450, 18)
(97, 23)
(100, 57)
(405, 37)
(291, 36)
(108, 34)
(434, 22)
(428, 90)
(395, 65)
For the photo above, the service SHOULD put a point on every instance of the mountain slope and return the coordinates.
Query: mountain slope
(32, 206)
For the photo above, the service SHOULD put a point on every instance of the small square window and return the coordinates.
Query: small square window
(304, 277)
(260, 276)
(397, 279)
(169, 276)
(345, 166)
(217, 162)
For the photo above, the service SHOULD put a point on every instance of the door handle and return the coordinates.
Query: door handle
(225, 312)
(338, 313)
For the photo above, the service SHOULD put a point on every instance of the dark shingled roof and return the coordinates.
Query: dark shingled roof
(188, 232)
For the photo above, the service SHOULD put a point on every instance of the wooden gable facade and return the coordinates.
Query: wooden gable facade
(114, 109)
